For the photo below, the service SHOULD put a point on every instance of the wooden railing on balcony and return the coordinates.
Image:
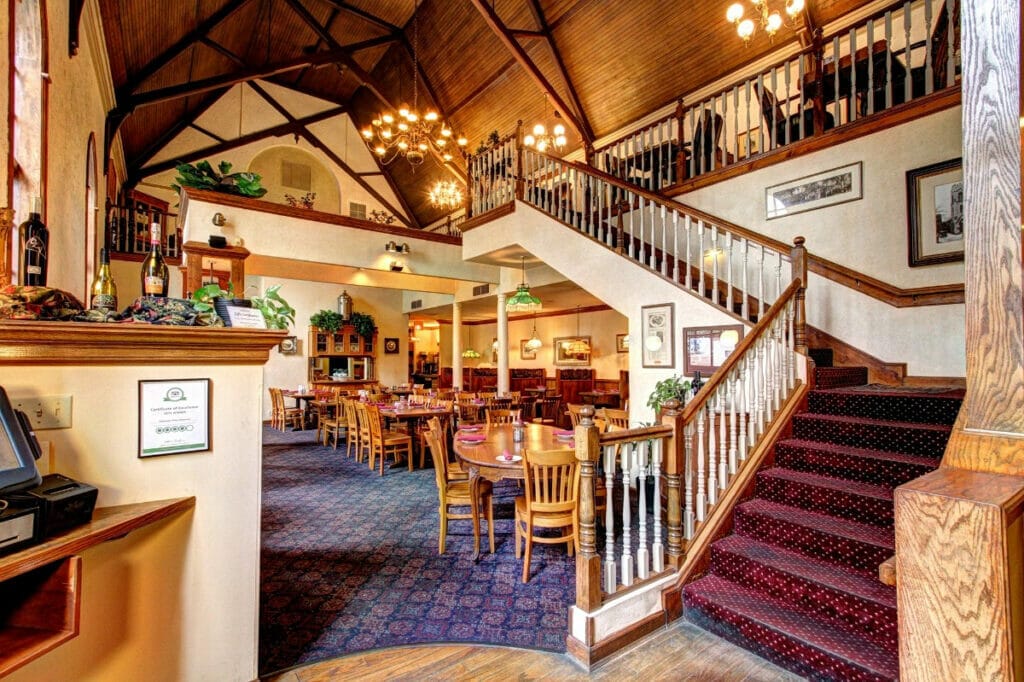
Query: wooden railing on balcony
(902, 53)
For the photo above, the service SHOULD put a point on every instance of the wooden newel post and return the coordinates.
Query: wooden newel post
(673, 466)
(681, 154)
(798, 257)
(520, 180)
(588, 562)
(470, 182)
(818, 73)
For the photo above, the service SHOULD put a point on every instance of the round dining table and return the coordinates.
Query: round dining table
(484, 460)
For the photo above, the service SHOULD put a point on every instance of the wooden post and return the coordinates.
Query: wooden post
(588, 561)
(520, 181)
(818, 74)
(680, 152)
(470, 182)
(798, 258)
(6, 248)
(673, 466)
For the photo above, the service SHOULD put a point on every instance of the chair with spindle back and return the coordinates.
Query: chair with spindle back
(352, 439)
(498, 416)
(363, 422)
(442, 431)
(548, 410)
(552, 483)
(386, 442)
(333, 422)
(614, 419)
(574, 412)
(281, 416)
(455, 492)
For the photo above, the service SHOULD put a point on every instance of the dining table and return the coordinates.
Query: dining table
(482, 451)
(302, 401)
(413, 415)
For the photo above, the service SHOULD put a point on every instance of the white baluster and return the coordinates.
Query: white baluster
(712, 452)
(732, 420)
(626, 568)
(664, 243)
(745, 246)
(658, 547)
(760, 281)
(643, 556)
(701, 492)
(610, 568)
(744, 413)
(762, 384)
(687, 223)
(728, 272)
(700, 256)
(790, 345)
(714, 266)
(723, 445)
(675, 246)
(688, 501)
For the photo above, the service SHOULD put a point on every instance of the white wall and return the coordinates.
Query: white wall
(177, 601)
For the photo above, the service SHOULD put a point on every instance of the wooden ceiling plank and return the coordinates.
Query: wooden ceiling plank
(372, 18)
(484, 85)
(186, 41)
(330, 22)
(538, 15)
(289, 128)
(217, 47)
(316, 142)
(165, 137)
(496, 25)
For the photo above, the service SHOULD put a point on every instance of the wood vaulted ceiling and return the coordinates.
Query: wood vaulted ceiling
(609, 62)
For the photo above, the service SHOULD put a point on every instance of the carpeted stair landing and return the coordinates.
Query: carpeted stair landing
(797, 582)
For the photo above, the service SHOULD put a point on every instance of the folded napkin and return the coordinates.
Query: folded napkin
(472, 437)
(563, 432)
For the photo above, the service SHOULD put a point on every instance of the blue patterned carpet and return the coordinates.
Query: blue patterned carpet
(349, 563)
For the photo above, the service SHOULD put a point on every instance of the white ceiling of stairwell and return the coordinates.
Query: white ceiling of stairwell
(561, 296)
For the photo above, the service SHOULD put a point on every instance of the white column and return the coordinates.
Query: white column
(457, 346)
(502, 346)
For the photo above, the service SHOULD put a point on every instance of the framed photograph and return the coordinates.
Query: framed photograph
(657, 323)
(753, 137)
(571, 351)
(706, 348)
(289, 345)
(836, 186)
(622, 343)
(174, 416)
(390, 346)
(526, 353)
(935, 213)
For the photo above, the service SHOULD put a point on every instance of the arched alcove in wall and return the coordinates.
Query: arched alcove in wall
(294, 171)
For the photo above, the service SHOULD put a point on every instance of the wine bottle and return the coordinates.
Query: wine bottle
(155, 276)
(34, 240)
(104, 291)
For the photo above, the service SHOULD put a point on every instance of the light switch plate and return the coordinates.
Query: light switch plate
(46, 412)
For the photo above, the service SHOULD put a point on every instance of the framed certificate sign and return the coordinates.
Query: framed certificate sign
(174, 416)
(707, 348)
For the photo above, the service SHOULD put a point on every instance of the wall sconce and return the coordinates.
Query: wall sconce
(392, 247)
(219, 220)
(396, 266)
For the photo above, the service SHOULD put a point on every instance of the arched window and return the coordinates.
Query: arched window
(91, 212)
(28, 110)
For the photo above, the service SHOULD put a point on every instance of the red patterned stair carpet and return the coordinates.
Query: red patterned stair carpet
(796, 582)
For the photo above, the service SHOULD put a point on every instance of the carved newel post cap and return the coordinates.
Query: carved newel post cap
(587, 415)
(799, 241)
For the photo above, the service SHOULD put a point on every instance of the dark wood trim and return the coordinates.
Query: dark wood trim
(530, 316)
(186, 41)
(220, 49)
(154, 147)
(484, 218)
(845, 355)
(318, 216)
(362, 14)
(897, 115)
(588, 656)
(942, 294)
(501, 31)
(289, 128)
(212, 135)
(484, 85)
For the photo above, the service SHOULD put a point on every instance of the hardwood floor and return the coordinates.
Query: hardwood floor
(679, 652)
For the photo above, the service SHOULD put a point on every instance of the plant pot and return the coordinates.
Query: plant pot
(221, 305)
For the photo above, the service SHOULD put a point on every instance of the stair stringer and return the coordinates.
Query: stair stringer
(622, 283)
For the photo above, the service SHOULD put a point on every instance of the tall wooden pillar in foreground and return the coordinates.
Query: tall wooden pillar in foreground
(958, 529)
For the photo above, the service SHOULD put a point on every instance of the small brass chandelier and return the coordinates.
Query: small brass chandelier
(446, 195)
(541, 140)
(771, 21)
(523, 301)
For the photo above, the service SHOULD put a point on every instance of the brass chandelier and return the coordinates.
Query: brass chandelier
(771, 21)
(446, 194)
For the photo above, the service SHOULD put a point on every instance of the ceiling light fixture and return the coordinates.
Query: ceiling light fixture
(578, 345)
(446, 194)
(541, 140)
(469, 352)
(409, 133)
(523, 301)
(534, 342)
(771, 21)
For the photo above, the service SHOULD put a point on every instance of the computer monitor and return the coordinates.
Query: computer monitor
(17, 465)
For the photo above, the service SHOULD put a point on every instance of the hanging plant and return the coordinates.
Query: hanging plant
(364, 324)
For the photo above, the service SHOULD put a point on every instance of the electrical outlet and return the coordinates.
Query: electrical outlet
(46, 412)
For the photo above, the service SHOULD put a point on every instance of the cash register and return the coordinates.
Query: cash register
(33, 507)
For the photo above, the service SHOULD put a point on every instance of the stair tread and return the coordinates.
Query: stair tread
(840, 449)
(827, 573)
(896, 391)
(879, 492)
(821, 633)
(825, 523)
(867, 421)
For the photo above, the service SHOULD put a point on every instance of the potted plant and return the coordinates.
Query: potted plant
(666, 389)
(203, 176)
(364, 324)
(276, 311)
(326, 320)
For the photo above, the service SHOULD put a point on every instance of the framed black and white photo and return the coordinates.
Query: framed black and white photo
(622, 343)
(836, 186)
(935, 213)
(174, 416)
(657, 323)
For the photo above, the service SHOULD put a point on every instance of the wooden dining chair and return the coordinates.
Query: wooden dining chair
(456, 493)
(281, 416)
(499, 416)
(573, 410)
(352, 434)
(548, 409)
(614, 419)
(442, 433)
(333, 422)
(386, 442)
(364, 447)
(552, 485)
(444, 420)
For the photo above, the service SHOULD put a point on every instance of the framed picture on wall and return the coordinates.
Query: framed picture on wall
(526, 353)
(622, 343)
(657, 323)
(571, 351)
(835, 186)
(706, 348)
(935, 213)
(390, 346)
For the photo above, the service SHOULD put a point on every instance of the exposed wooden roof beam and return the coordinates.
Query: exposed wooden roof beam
(217, 47)
(208, 133)
(483, 86)
(178, 47)
(538, 15)
(499, 29)
(289, 128)
(316, 142)
(372, 18)
(523, 33)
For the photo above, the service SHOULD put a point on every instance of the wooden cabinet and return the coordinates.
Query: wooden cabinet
(128, 224)
(344, 352)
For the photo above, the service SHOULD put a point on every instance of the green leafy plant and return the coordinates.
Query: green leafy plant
(364, 324)
(326, 320)
(203, 176)
(276, 311)
(667, 389)
(203, 297)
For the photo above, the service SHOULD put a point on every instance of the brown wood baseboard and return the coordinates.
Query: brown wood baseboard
(589, 656)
